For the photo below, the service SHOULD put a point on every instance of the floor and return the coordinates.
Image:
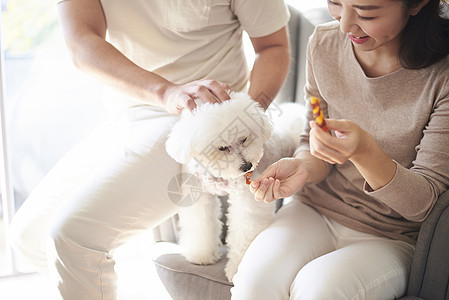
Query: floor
(137, 277)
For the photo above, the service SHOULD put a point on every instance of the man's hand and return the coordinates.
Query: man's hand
(179, 97)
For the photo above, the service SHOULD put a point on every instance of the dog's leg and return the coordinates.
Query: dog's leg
(200, 230)
(246, 219)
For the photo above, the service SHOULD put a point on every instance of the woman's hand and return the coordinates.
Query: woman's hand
(356, 145)
(349, 143)
(281, 179)
(178, 97)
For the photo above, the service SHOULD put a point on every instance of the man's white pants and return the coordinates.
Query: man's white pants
(303, 255)
(107, 189)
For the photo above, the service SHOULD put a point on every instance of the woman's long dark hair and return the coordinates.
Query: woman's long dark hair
(425, 38)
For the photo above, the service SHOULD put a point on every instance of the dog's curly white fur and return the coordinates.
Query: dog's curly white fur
(219, 143)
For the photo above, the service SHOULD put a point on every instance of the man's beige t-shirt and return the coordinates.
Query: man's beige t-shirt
(186, 40)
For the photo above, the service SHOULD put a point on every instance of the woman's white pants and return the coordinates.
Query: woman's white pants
(107, 189)
(303, 255)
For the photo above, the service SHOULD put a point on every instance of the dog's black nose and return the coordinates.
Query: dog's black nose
(246, 166)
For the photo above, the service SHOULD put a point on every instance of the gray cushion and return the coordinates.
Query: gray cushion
(429, 278)
(184, 280)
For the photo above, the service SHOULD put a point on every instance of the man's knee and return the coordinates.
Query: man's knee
(67, 233)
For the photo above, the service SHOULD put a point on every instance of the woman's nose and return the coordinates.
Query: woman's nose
(347, 23)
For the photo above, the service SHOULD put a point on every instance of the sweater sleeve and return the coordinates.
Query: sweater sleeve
(413, 192)
(310, 90)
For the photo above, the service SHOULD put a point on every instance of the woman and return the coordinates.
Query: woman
(360, 194)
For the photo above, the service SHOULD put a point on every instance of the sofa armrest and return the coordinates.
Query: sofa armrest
(429, 277)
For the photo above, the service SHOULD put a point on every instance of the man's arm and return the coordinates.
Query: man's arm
(84, 27)
(270, 67)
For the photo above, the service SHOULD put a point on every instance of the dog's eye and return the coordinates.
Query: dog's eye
(244, 140)
(223, 148)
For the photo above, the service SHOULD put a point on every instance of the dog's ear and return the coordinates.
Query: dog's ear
(261, 119)
(253, 113)
(267, 127)
(178, 143)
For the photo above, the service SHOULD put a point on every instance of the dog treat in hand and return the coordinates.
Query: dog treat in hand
(318, 114)
(248, 177)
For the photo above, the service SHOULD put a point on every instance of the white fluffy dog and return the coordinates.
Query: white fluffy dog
(219, 144)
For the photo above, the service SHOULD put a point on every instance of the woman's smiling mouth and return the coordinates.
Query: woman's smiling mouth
(358, 40)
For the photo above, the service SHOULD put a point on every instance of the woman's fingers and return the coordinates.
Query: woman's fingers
(348, 141)
(264, 190)
(326, 147)
(318, 147)
(277, 189)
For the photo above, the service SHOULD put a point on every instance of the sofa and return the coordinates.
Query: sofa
(429, 278)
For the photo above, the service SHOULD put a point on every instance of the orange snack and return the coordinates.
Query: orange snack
(318, 114)
(248, 178)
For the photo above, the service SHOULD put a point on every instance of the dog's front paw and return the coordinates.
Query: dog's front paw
(231, 269)
(202, 257)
